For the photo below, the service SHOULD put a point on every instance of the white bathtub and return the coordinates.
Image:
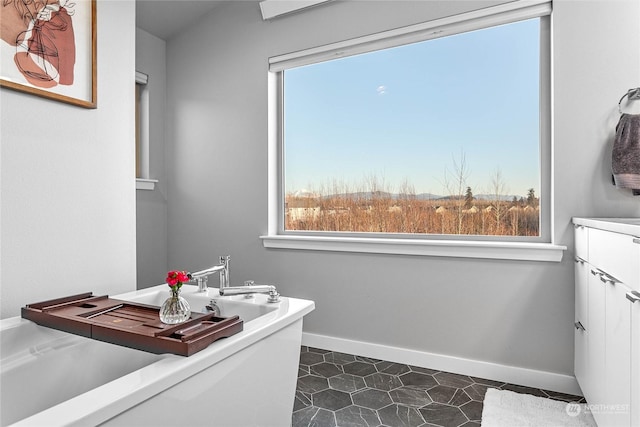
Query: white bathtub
(52, 378)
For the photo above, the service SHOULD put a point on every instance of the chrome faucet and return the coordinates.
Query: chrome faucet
(201, 277)
(249, 289)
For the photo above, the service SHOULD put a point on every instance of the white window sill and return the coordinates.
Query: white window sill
(146, 184)
(442, 248)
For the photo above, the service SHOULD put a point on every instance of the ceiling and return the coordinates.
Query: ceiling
(166, 18)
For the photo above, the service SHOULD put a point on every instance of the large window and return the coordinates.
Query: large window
(434, 134)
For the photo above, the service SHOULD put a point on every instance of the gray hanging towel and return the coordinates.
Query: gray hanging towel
(626, 153)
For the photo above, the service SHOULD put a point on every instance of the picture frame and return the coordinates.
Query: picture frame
(48, 49)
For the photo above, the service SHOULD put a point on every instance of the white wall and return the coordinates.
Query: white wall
(510, 313)
(67, 181)
(151, 206)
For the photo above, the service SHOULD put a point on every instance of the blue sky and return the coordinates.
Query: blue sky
(405, 114)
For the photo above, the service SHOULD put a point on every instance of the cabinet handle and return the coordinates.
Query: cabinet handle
(636, 240)
(579, 326)
(604, 278)
(633, 296)
(576, 226)
(580, 260)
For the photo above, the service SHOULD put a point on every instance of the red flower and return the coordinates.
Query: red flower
(176, 277)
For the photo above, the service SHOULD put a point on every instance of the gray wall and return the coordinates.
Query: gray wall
(151, 206)
(67, 186)
(508, 312)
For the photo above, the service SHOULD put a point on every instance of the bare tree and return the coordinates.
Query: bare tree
(379, 202)
(455, 181)
(499, 191)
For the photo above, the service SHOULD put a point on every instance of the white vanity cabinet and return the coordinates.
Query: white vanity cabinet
(635, 362)
(581, 324)
(607, 318)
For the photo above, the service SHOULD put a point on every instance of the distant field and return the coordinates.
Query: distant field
(383, 213)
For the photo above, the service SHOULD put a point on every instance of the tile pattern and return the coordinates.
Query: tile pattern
(343, 390)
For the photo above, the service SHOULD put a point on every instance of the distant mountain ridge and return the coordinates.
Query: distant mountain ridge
(366, 195)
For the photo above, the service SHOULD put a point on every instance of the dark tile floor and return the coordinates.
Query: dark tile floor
(343, 390)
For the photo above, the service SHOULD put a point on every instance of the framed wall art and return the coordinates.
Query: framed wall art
(48, 48)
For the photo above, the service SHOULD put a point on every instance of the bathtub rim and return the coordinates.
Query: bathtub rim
(106, 401)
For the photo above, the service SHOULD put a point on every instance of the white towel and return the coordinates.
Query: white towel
(503, 408)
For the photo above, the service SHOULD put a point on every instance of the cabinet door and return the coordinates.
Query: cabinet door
(617, 254)
(581, 324)
(595, 392)
(634, 298)
(581, 240)
(618, 355)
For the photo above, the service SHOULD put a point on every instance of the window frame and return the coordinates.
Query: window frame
(539, 248)
(142, 139)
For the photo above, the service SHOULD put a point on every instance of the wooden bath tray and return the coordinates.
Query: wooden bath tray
(130, 324)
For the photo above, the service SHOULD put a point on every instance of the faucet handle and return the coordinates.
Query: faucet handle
(249, 283)
(202, 283)
(224, 274)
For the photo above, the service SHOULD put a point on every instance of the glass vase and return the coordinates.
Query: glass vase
(175, 309)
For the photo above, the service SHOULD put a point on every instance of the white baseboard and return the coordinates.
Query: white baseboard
(475, 368)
